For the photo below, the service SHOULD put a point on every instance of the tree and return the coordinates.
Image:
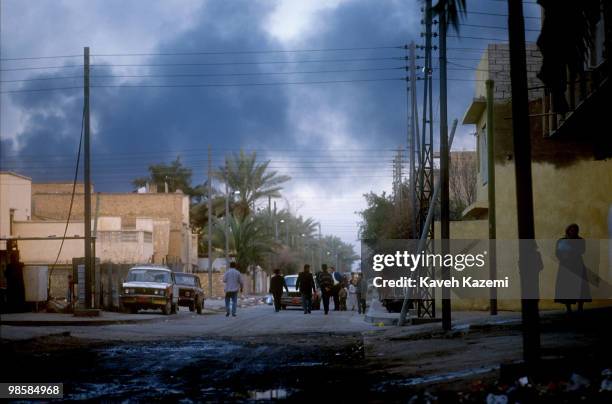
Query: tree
(251, 179)
(248, 237)
(175, 175)
(382, 220)
(462, 182)
(337, 251)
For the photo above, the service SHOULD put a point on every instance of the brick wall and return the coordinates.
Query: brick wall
(129, 206)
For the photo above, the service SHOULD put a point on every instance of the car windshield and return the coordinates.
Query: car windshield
(149, 275)
(185, 280)
(290, 281)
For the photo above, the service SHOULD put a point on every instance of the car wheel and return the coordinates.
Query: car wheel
(192, 306)
(133, 310)
(200, 307)
(284, 307)
(167, 309)
(174, 309)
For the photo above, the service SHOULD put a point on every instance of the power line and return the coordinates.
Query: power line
(494, 27)
(206, 52)
(206, 74)
(477, 37)
(500, 15)
(206, 64)
(204, 85)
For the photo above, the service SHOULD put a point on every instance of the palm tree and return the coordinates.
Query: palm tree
(248, 237)
(250, 180)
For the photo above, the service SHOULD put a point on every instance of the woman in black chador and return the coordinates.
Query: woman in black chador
(572, 282)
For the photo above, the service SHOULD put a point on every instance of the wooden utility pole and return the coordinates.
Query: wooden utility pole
(490, 133)
(87, 183)
(444, 170)
(210, 257)
(524, 189)
(226, 221)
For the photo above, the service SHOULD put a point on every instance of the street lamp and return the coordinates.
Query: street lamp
(286, 229)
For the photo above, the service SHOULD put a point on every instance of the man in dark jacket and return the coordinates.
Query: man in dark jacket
(306, 285)
(326, 283)
(277, 284)
(337, 280)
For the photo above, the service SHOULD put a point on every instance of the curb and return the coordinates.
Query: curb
(78, 323)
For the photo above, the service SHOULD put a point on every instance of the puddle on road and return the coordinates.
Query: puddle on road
(437, 378)
(202, 370)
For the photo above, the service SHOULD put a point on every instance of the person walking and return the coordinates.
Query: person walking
(352, 292)
(572, 279)
(306, 285)
(361, 294)
(337, 279)
(233, 284)
(277, 284)
(326, 283)
(342, 295)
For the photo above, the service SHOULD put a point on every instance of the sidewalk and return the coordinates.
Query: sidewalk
(41, 319)
(54, 319)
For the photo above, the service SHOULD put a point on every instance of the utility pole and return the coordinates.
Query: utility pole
(491, 191)
(226, 217)
(444, 169)
(87, 183)
(320, 248)
(412, 133)
(210, 257)
(426, 303)
(524, 189)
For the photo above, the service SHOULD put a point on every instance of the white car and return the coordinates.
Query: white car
(150, 287)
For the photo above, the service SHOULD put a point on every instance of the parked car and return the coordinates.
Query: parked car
(149, 287)
(294, 298)
(191, 293)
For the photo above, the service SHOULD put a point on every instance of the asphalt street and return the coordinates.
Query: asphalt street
(260, 320)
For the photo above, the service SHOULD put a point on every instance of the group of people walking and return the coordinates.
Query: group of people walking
(331, 284)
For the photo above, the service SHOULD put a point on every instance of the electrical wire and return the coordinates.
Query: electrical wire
(206, 52)
(74, 182)
(93, 65)
(206, 74)
(206, 85)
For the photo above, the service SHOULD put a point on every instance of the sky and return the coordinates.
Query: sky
(314, 86)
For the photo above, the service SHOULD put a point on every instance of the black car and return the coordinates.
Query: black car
(191, 293)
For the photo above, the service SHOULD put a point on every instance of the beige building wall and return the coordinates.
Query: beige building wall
(15, 202)
(167, 210)
(569, 186)
(112, 245)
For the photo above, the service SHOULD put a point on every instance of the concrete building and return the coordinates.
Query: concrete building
(130, 227)
(571, 182)
(15, 202)
(173, 242)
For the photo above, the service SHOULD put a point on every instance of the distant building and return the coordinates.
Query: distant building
(218, 265)
(130, 227)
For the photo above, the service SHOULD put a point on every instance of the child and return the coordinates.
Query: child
(342, 294)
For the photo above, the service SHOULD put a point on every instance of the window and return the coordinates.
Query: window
(188, 280)
(483, 156)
